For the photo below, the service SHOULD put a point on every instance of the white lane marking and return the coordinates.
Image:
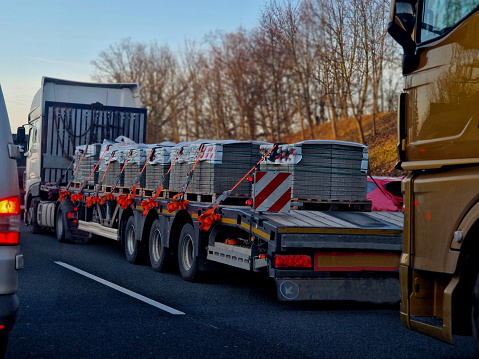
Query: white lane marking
(121, 289)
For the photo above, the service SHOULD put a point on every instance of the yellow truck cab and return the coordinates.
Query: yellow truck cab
(438, 141)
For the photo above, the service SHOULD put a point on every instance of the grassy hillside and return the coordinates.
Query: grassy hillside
(382, 147)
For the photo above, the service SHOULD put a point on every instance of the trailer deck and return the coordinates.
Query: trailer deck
(353, 255)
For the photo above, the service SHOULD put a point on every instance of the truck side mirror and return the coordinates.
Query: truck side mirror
(21, 134)
(401, 27)
(14, 151)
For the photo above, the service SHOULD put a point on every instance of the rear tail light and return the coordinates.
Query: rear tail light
(72, 215)
(292, 261)
(9, 238)
(10, 205)
(10, 221)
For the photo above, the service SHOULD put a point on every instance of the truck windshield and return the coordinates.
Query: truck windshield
(438, 16)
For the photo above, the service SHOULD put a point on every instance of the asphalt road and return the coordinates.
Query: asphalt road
(67, 313)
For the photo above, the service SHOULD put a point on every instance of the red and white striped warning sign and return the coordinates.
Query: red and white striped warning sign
(272, 191)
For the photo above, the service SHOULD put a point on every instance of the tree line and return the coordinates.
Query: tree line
(306, 62)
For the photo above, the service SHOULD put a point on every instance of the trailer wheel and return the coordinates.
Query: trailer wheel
(475, 313)
(134, 254)
(60, 226)
(32, 217)
(157, 250)
(187, 260)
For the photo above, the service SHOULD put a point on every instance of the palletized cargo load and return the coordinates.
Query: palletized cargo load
(222, 164)
(121, 163)
(133, 167)
(157, 167)
(219, 166)
(322, 170)
(85, 160)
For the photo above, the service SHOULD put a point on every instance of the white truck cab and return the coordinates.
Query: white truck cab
(65, 114)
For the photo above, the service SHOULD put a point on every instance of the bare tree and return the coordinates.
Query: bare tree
(151, 67)
(121, 62)
(305, 57)
(379, 44)
(234, 52)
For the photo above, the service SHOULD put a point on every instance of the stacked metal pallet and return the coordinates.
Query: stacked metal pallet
(222, 164)
(349, 176)
(114, 166)
(157, 167)
(86, 163)
(134, 166)
(322, 170)
(185, 154)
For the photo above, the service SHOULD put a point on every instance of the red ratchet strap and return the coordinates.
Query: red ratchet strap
(125, 200)
(95, 199)
(178, 202)
(65, 192)
(110, 196)
(150, 202)
(209, 217)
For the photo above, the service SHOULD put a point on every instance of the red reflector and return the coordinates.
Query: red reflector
(292, 261)
(72, 215)
(10, 205)
(9, 238)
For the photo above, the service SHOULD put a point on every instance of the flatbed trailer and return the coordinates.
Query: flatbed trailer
(311, 255)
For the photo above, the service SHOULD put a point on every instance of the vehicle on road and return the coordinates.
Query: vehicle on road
(385, 193)
(316, 240)
(438, 141)
(10, 258)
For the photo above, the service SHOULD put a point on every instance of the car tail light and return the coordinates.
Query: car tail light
(10, 221)
(9, 238)
(10, 205)
(292, 261)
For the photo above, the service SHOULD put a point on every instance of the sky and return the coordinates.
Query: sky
(59, 39)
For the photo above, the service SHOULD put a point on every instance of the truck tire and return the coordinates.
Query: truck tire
(475, 313)
(32, 217)
(187, 260)
(157, 250)
(60, 226)
(133, 249)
